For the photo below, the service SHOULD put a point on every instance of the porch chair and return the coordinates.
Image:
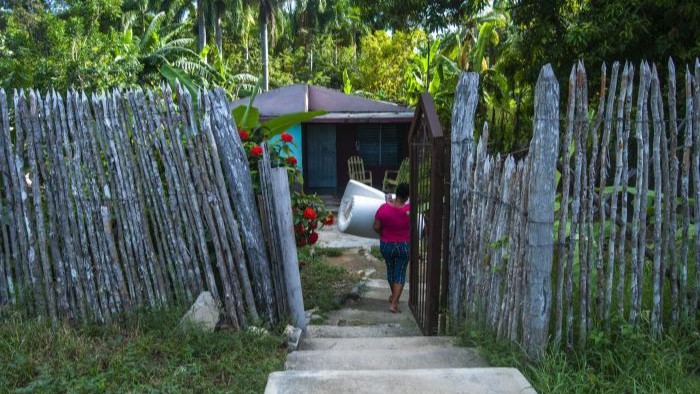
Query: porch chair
(392, 178)
(356, 170)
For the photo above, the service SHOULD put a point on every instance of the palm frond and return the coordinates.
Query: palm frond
(173, 31)
(196, 68)
(152, 28)
(244, 78)
(170, 50)
(128, 18)
(184, 42)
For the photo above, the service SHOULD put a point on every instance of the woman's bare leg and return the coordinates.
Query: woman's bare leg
(396, 290)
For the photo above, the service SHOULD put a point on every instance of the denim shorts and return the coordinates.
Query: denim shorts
(396, 258)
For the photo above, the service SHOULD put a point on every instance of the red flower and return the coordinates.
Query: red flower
(243, 134)
(313, 225)
(286, 137)
(300, 228)
(292, 160)
(256, 150)
(313, 237)
(309, 213)
(328, 220)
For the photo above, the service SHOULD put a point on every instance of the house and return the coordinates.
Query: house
(375, 130)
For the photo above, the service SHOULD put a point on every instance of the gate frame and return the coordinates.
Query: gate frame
(427, 303)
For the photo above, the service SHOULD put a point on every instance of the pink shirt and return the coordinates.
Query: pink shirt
(395, 223)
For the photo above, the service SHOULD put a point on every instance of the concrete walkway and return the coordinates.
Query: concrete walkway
(364, 348)
(330, 237)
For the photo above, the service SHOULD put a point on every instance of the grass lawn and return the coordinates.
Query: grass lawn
(324, 285)
(148, 351)
(625, 361)
(144, 352)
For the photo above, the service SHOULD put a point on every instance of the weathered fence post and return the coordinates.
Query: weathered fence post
(540, 213)
(466, 99)
(237, 174)
(290, 263)
(696, 178)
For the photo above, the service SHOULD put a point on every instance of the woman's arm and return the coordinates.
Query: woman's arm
(377, 226)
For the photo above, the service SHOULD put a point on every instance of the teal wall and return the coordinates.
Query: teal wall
(295, 131)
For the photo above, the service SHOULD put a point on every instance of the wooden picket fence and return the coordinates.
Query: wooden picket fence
(540, 258)
(128, 199)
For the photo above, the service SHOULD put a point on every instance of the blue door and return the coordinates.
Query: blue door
(320, 161)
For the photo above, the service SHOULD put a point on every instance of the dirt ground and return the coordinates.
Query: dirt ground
(354, 260)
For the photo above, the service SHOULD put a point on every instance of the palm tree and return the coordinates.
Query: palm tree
(267, 17)
(219, 10)
(243, 20)
(345, 22)
(163, 41)
(201, 26)
(139, 12)
(215, 13)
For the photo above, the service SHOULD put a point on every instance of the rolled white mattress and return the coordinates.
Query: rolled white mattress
(358, 216)
(355, 188)
(357, 208)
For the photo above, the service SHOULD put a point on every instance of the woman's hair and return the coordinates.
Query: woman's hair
(402, 191)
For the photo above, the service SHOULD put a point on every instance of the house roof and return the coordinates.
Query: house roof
(341, 107)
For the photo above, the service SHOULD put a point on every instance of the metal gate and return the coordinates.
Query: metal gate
(428, 265)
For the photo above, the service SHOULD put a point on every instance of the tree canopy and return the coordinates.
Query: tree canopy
(387, 49)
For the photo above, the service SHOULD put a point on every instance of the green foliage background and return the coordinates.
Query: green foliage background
(387, 49)
(384, 49)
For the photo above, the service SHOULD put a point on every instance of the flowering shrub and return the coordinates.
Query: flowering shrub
(280, 152)
(310, 215)
(309, 212)
(256, 150)
(286, 137)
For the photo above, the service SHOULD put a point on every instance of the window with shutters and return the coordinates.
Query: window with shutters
(378, 144)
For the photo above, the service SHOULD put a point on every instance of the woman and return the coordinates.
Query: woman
(392, 223)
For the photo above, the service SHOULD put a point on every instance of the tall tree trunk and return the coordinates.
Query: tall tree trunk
(201, 28)
(219, 12)
(311, 61)
(263, 49)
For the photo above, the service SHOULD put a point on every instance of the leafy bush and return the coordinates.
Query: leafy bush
(309, 211)
(310, 214)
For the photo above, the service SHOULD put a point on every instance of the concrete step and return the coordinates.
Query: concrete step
(342, 344)
(411, 381)
(376, 359)
(367, 317)
(380, 294)
(374, 331)
(373, 284)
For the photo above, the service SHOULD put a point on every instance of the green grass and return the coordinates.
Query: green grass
(330, 252)
(323, 285)
(374, 251)
(142, 352)
(627, 360)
